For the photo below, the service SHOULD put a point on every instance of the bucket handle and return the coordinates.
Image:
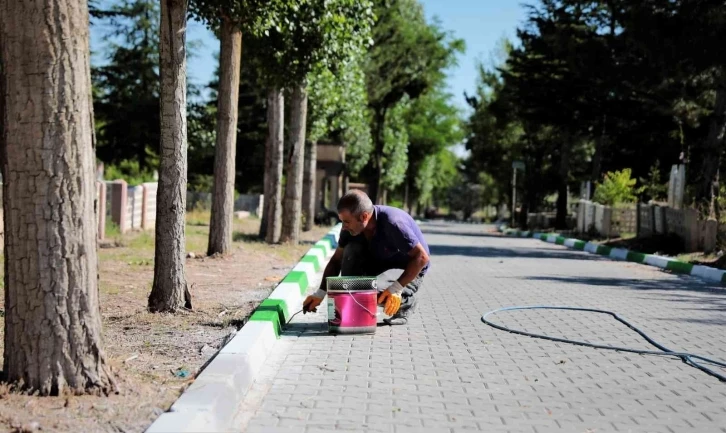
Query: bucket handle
(356, 301)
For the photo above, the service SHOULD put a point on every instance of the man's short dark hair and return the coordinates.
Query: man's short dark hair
(356, 202)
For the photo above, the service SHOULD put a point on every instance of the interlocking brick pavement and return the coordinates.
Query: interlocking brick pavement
(446, 371)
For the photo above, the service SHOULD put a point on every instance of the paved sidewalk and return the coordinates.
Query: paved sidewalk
(446, 371)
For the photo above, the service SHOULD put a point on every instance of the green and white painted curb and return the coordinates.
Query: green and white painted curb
(667, 263)
(212, 401)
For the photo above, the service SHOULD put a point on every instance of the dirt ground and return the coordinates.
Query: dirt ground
(155, 356)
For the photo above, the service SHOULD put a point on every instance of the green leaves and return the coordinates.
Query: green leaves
(617, 187)
(311, 34)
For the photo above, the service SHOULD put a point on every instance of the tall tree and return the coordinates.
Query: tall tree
(315, 32)
(230, 18)
(433, 125)
(52, 323)
(220, 226)
(408, 57)
(272, 220)
(338, 111)
(169, 290)
(292, 205)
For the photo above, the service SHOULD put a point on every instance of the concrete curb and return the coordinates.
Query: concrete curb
(666, 263)
(212, 401)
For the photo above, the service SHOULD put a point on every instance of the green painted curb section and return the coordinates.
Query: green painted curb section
(603, 250)
(268, 315)
(674, 266)
(679, 267)
(635, 257)
(326, 242)
(298, 277)
(313, 260)
(277, 305)
(321, 248)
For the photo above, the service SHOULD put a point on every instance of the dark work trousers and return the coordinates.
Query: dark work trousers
(358, 261)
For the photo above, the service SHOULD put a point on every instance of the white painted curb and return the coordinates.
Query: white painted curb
(707, 273)
(591, 247)
(619, 254)
(657, 261)
(212, 401)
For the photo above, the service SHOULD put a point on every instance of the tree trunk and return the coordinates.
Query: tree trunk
(276, 129)
(564, 173)
(310, 196)
(712, 153)
(220, 226)
(292, 207)
(169, 290)
(266, 187)
(52, 315)
(599, 150)
(378, 124)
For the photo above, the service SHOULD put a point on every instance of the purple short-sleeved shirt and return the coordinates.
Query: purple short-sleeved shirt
(396, 235)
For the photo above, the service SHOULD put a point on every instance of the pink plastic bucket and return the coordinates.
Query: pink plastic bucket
(352, 305)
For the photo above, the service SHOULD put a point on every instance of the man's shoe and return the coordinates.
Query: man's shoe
(395, 320)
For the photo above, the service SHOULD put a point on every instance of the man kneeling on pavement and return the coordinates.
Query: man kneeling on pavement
(376, 239)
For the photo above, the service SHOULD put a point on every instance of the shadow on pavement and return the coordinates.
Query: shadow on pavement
(681, 283)
(462, 233)
(497, 252)
(305, 329)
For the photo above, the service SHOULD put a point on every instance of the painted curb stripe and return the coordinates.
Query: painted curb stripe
(635, 257)
(211, 401)
(317, 252)
(268, 316)
(673, 265)
(619, 254)
(603, 250)
(679, 267)
(657, 261)
(313, 260)
(298, 277)
(591, 247)
(707, 273)
(289, 292)
(277, 305)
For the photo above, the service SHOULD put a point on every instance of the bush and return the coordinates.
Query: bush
(130, 172)
(617, 187)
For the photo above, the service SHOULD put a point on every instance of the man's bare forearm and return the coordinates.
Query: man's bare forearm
(332, 269)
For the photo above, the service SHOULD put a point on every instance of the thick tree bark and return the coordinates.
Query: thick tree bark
(169, 290)
(220, 226)
(292, 206)
(712, 153)
(52, 317)
(276, 129)
(310, 196)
